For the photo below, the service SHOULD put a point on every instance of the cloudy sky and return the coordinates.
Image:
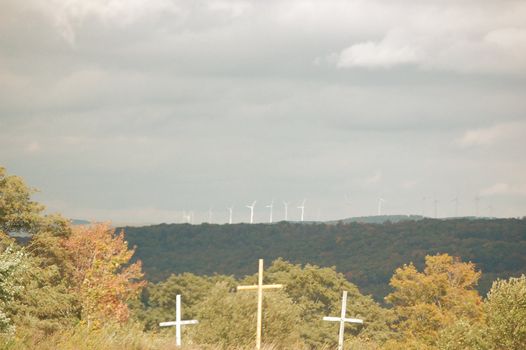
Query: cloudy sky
(138, 110)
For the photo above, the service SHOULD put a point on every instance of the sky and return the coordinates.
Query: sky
(144, 111)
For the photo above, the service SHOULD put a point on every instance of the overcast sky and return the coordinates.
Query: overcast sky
(137, 110)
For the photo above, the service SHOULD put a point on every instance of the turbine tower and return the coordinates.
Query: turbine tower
(424, 206)
(380, 202)
(271, 206)
(455, 200)
(210, 213)
(187, 217)
(302, 207)
(477, 202)
(435, 202)
(251, 207)
(286, 205)
(349, 204)
(230, 209)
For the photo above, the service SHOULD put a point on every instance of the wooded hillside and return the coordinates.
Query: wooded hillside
(367, 254)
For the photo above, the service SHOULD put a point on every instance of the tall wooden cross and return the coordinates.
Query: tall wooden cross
(342, 320)
(260, 286)
(178, 323)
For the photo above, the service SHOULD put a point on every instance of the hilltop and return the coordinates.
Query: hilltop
(366, 253)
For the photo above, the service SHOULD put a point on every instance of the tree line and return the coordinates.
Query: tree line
(367, 254)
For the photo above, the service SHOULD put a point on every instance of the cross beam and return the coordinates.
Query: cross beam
(259, 287)
(342, 319)
(178, 322)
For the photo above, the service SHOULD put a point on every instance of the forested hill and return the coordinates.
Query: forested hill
(367, 254)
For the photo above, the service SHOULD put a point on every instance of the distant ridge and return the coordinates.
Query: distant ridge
(366, 253)
(76, 222)
(377, 219)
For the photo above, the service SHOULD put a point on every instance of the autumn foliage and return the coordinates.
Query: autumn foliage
(428, 302)
(103, 277)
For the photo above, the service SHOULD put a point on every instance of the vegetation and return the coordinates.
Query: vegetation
(506, 313)
(367, 254)
(78, 288)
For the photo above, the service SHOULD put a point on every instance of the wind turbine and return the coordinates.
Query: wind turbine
(230, 209)
(477, 201)
(251, 207)
(271, 206)
(187, 217)
(286, 205)
(210, 215)
(302, 207)
(455, 200)
(435, 202)
(380, 202)
(348, 203)
(490, 210)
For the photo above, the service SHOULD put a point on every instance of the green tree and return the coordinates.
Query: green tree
(46, 303)
(12, 263)
(318, 291)
(159, 299)
(506, 314)
(463, 334)
(43, 301)
(17, 211)
(228, 318)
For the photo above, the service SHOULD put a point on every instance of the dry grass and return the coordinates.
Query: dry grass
(130, 337)
(112, 338)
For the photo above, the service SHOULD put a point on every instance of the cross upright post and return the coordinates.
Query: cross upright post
(342, 320)
(259, 287)
(178, 323)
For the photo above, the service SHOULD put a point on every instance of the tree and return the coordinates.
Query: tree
(426, 303)
(12, 262)
(47, 302)
(318, 291)
(506, 314)
(102, 274)
(17, 211)
(228, 319)
(159, 299)
(463, 334)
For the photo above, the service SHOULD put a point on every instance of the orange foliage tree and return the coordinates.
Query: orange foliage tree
(102, 275)
(429, 301)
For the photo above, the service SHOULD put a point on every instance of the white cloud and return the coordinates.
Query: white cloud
(491, 135)
(409, 184)
(33, 147)
(509, 38)
(384, 54)
(374, 179)
(502, 189)
(234, 8)
(487, 39)
(69, 14)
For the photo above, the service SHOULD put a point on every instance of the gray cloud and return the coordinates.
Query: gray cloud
(138, 111)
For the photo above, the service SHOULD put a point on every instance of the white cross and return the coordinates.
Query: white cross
(178, 323)
(260, 286)
(342, 320)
